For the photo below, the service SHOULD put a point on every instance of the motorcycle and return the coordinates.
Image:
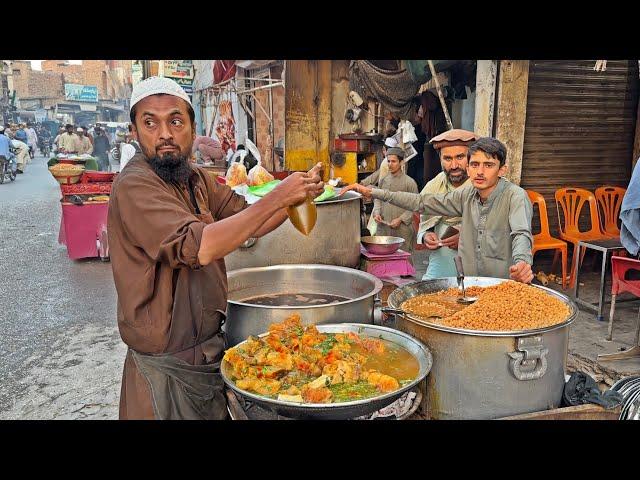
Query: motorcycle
(45, 147)
(6, 170)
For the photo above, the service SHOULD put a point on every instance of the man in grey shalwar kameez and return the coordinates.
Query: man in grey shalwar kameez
(392, 220)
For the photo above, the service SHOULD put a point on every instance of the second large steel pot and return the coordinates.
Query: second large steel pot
(335, 239)
(244, 318)
(484, 375)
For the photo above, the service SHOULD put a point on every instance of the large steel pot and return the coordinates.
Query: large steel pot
(335, 239)
(344, 410)
(483, 375)
(244, 319)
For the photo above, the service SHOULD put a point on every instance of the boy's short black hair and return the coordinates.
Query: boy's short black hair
(491, 147)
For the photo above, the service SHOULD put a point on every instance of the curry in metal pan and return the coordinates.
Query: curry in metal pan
(300, 364)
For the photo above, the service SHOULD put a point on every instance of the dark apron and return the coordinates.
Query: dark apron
(181, 391)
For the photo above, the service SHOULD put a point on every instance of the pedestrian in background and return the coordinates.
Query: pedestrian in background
(101, 149)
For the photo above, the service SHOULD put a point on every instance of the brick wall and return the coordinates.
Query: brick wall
(21, 71)
(36, 88)
(91, 72)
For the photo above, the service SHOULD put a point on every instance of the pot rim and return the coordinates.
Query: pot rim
(377, 284)
(498, 333)
(346, 197)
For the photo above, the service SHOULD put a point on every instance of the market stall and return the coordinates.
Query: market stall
(85, 204)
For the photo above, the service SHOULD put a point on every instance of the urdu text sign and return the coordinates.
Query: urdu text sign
(81, 93)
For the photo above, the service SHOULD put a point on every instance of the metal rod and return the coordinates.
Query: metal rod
(272, 85)
(261, 107)
(266, 79)
(440, 95)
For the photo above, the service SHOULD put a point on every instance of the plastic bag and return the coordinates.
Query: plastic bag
(236, 174)
(262, 190)
(259, 175)
(329, 192)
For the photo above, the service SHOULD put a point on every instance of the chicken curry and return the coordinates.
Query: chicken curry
(300, 364)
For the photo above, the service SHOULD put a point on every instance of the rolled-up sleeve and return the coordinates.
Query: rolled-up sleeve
(223, 201)
(520, 213)
(157, 221)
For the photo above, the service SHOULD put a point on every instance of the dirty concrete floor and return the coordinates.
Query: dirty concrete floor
(60, 352)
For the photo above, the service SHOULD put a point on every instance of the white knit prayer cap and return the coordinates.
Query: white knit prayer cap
(157, 86)
(391, 142)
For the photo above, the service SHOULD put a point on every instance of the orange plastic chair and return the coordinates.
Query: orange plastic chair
(544, 240)
(610, 200)
(572, 201)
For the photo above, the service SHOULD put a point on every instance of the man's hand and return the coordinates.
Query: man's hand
(361, 189)
(451, 242)
(521, 272)
(395, 223)
(314, 173)
(431, 240)
(295, 188)
(377, 218)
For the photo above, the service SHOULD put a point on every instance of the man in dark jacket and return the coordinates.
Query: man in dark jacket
(101, 148)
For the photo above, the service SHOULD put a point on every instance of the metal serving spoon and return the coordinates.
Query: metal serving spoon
(463, 299)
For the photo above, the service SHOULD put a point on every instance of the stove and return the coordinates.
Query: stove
(242, 409)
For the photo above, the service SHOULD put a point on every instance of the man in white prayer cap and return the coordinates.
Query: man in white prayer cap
(170, 227)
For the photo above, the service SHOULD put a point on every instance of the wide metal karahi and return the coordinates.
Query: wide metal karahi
(344, 410)
(481, 374)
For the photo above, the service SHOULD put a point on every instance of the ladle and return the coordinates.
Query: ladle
(462, 299)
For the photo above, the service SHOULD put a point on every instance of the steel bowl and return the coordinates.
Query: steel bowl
(381, 244)
(343, 410)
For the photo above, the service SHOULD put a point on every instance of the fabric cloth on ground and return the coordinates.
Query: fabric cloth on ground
(581, 389)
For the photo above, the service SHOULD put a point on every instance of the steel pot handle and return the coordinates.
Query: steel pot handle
(529, 361)
(392, 311)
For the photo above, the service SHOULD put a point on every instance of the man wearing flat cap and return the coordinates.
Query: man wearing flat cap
(170, 227)
(393, 220)
(440, 233)
(381, 172)
(495, 238)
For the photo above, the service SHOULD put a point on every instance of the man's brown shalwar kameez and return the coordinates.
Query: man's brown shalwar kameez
(167, 302)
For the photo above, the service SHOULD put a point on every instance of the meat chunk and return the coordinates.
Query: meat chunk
(316, 395)
(383, 382)
(342, 372)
